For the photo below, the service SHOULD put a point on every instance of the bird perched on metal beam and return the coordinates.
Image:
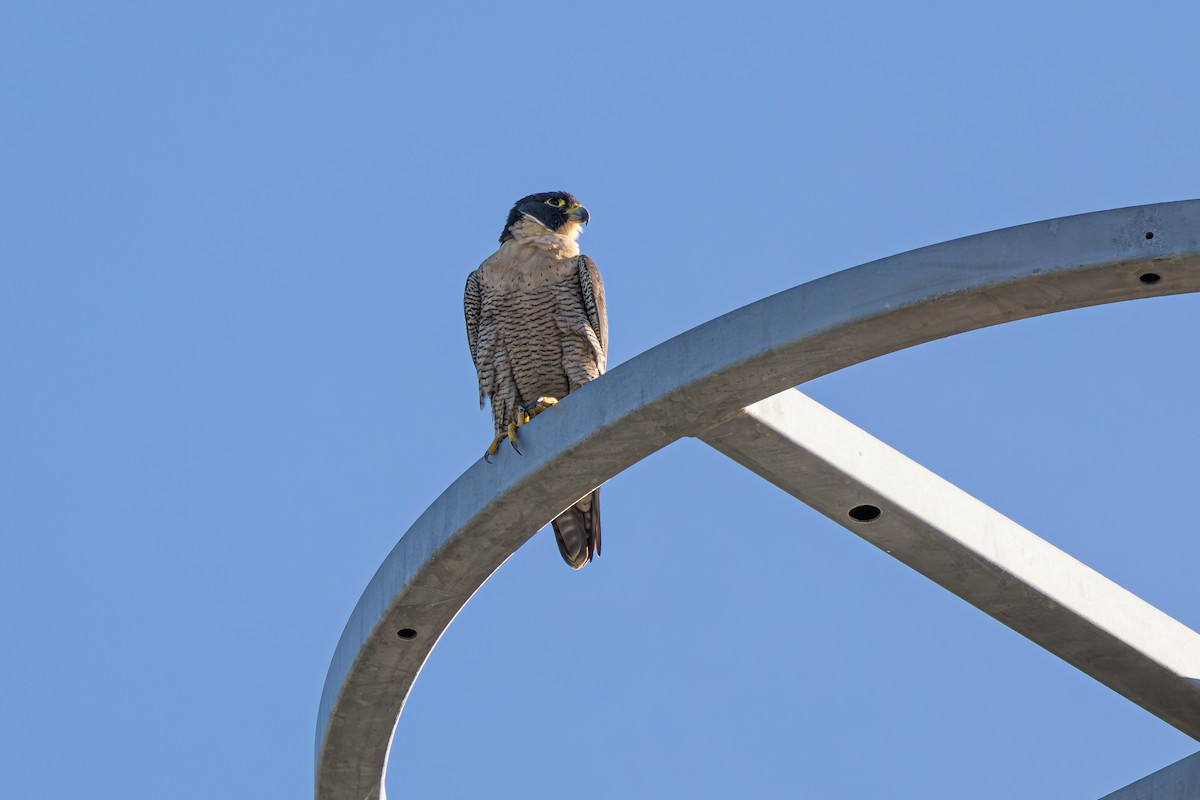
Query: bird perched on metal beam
(537, 328)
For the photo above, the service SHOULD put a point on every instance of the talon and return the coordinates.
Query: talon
(541, 405)
(510, 433)
(494, 447)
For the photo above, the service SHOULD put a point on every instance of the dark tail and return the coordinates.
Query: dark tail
(577, 531)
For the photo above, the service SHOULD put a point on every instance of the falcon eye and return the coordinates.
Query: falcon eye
(557, 202)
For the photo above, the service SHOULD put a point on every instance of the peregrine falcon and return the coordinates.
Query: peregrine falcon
(537, 329)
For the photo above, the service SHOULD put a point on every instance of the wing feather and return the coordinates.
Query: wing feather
(472, 304)
(593, 302)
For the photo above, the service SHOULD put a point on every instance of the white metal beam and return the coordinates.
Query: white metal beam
(1179, 781)
(966, 546)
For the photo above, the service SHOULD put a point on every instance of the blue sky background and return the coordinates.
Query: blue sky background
(233, 239)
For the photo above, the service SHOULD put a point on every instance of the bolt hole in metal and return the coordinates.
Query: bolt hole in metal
(406, 633)
(1149, 277)
(864, 513)
(1149, 234)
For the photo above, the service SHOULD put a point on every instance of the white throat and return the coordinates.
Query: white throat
(561, 243)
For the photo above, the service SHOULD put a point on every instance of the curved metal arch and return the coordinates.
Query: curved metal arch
(687, 386)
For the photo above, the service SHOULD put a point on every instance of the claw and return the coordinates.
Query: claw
(541, 405)
(494, 447)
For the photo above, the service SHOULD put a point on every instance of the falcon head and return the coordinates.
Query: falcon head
(558, 212)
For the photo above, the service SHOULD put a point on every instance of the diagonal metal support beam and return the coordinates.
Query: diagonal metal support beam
(1179, 781)
(969, 548)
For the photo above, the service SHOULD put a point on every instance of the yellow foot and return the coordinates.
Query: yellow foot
(541, 405)
(510, 434)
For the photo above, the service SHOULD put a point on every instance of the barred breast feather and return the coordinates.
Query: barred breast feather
(527, 341)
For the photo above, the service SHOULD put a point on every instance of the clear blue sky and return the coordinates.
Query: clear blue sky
(233, 239)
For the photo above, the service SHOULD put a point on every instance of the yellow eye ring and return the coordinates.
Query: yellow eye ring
(557, 202)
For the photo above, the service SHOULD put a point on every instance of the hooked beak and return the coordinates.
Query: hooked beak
(578, 214)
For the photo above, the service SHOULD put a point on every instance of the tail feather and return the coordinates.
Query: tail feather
(577, 531)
